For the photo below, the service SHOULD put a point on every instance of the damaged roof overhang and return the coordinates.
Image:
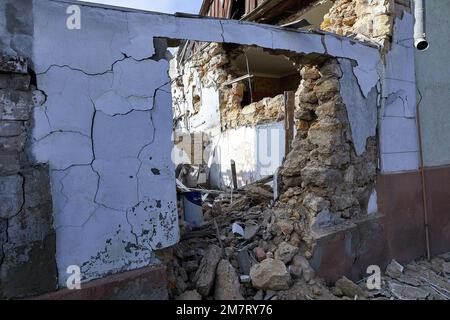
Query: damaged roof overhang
(271, 10)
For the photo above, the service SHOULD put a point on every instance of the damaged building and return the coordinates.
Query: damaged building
(259, 150)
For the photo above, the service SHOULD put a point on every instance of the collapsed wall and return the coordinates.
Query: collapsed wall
(328, 178)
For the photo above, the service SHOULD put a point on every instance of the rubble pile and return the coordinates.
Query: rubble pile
(243, 251)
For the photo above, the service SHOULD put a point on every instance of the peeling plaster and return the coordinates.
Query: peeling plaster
(362, 112)
(398, 128)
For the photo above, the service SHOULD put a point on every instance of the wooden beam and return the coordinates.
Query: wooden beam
(244, 77)
(289, 106)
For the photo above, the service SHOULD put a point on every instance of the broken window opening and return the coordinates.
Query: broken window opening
(271, 74)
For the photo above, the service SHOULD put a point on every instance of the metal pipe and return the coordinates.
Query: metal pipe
(420, 35)
(424, 185)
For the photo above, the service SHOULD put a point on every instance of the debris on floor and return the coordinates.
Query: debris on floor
(243, 250)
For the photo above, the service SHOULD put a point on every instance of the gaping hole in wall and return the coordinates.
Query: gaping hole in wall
(265, 156)
(264, 75)
(232, 100)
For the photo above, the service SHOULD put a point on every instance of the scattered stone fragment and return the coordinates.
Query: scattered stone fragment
(270, 274)
(270, 294)
(406, 292)
(189, 295)
(227, 285)
(260, 254)
(336, 291)
(394, 269)
(259, 295)
(251, 229)
(285, 252)
(350, 289)
(306, 270)
(204, 277)
(446, 268)
(445, 256)
(295, 271)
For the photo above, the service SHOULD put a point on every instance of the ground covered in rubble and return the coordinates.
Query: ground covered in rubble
(241, 253)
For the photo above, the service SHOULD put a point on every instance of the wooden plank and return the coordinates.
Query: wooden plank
(244, 77)
(233, 174)
(228, 7)
(289, 106)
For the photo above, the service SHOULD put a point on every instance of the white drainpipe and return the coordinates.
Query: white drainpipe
(420, 36)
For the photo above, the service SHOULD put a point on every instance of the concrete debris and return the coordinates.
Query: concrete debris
(270, 274)
(227, 285)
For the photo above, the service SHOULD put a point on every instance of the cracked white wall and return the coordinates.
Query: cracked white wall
(399, 147)
(104, 123)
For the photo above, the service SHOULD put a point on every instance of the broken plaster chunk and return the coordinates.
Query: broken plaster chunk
(237, 229)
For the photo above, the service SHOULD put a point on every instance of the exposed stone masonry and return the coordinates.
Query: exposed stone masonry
(27, 237)
(365, 19)
(324, 181)
(211, 67)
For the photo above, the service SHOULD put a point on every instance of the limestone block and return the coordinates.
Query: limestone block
(15, 105)
(11, 195)
(13, 64)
